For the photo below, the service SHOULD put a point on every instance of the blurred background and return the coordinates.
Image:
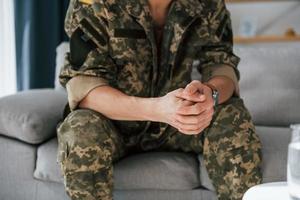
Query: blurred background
(31, 30)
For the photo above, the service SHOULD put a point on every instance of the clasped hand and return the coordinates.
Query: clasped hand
(189, 109)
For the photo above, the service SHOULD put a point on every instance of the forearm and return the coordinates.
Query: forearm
(116, 105)
(225, 87)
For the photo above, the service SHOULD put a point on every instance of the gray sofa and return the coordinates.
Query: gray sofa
(28, 171)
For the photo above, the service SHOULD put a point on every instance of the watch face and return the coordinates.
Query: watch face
(215, 93)
(215, 97)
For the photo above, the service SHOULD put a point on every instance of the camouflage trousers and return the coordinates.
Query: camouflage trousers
(89, 144)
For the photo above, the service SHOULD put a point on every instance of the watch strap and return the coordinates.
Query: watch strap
(215, 93)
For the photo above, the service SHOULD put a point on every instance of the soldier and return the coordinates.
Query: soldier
(128, 78)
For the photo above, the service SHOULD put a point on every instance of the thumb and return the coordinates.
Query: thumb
(187, 103)
(190, 89)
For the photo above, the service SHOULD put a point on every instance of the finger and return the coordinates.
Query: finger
(184, 131)
(188, 119)
(204, 121)
(192, 92)
(193, 126)
(187, 103)
(204, 117)
(192, 130)
(187, 132)
(197, 131)
(190, 89)
(195, 109)
(196, 97)
(184, 126)
(207, 114)
(194, 86)
(193, 122)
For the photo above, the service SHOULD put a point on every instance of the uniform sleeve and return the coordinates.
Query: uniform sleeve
(217, 57)
(88, 64)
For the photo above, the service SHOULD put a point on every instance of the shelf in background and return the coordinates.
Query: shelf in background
(266, 38)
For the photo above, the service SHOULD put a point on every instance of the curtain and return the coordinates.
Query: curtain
(7, 49)
(39, 29)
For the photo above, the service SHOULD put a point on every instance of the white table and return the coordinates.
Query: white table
(268, 191)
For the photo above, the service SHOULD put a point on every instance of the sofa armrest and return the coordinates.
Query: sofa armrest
(32, 116)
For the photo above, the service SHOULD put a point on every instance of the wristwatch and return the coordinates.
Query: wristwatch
(215, 93)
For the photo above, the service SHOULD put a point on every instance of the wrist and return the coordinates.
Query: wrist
(155, 109)
(147, 108)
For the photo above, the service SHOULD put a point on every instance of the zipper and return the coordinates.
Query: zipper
(180, 44)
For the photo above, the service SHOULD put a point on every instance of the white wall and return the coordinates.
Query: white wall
(7, 48)
(268, 18)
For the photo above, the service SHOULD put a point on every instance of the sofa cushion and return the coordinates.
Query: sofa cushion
(155, 170)
(31, 116)
(274, 149)
(17, 162)
(158, 170)
(270, 82)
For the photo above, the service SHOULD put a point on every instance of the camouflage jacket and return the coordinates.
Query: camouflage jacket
(113, 42)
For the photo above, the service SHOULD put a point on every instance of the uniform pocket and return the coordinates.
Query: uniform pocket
(62, 150)
(130, 48)
(62, 153)
(62, 157)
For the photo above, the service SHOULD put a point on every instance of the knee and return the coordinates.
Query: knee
(83, 126)
(233, 114)
(84, 135)
(232, 127)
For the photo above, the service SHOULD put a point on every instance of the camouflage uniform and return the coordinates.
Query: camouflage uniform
(113, 43)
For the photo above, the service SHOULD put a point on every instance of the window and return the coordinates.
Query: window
(7, 48)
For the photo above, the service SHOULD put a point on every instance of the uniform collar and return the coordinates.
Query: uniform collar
(140, 9)
(182, 14)
(136, 8)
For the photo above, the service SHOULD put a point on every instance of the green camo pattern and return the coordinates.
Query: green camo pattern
(89, 144)
(124, 52)
(194, 31)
